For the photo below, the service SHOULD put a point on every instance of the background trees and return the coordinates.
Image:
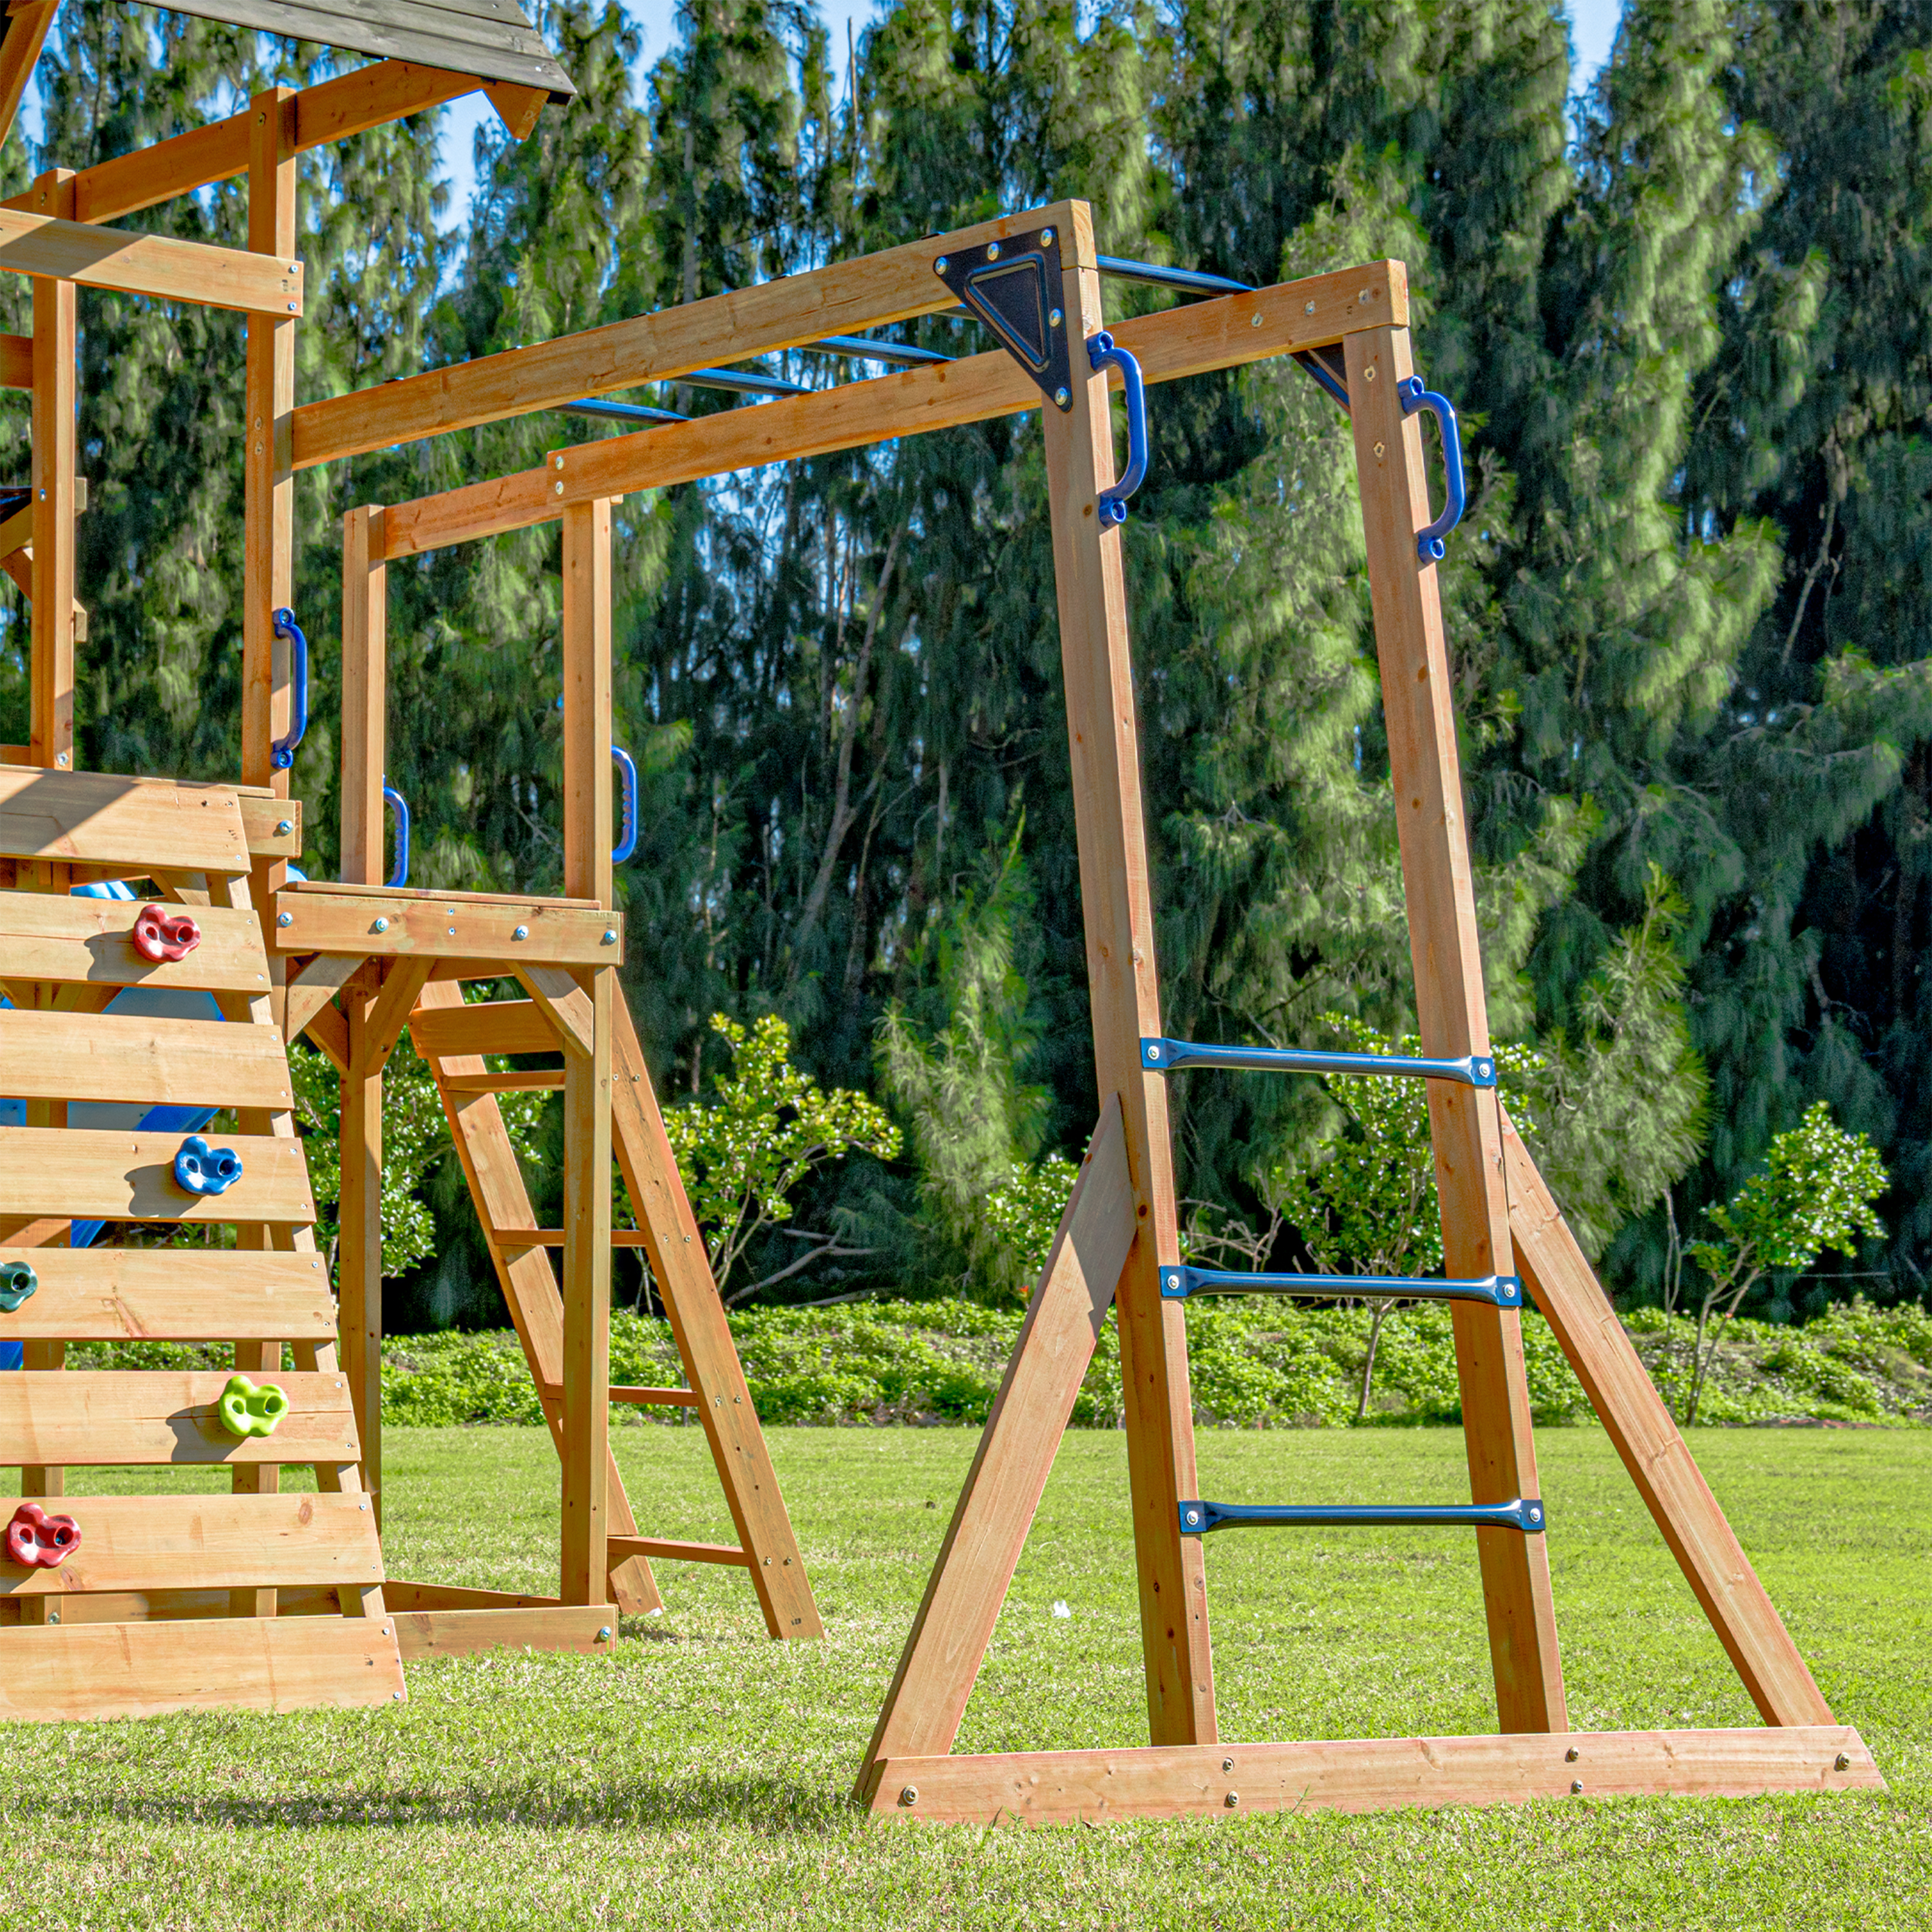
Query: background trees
(1690, 609)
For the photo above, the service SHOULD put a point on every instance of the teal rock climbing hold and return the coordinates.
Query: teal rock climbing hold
(17, 1281)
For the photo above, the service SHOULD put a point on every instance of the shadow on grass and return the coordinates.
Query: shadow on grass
(776, 1806)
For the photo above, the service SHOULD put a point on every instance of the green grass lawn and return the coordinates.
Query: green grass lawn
(701, 1777)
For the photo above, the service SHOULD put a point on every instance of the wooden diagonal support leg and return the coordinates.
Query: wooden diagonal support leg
(1002, 1492)
(676, 1250)
(1104, 745)
(1452, 1017)
(1659, 1460)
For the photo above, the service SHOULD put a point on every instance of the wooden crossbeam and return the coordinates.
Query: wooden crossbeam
(165, 1416)
(68, 1056)
(313, 917)
(174, 1294)
(98, 1175)
(148, 264)
(1190, 341)
(49, 936)
(665, 1550)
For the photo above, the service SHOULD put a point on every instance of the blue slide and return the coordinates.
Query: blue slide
(134, 1002)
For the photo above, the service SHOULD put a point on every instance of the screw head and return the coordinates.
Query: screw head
(603, 1634)
(909, 1795)
(521, 932)
(1368, 374)
(285, 919)
(939, 267)
(1046, 237)
(1227, 1764)
(1575, 1787)
(1381, 450)
(1153, 1051)
(60, 757)
(1363, 297)
(556, 463)
(283, 826)
(1173, 1281)
(1841, 1762)
(1193, 1517)
(1308, 308)
(1536, 1515)
(1054, 318)
(1571, 1755)
(1233, 1799)
(610, 936)
(992, 251)
(1060, 397)
(560, 489)
(382, 925)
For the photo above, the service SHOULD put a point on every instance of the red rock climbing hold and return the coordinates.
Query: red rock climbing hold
(159, 933)
(39, 1540)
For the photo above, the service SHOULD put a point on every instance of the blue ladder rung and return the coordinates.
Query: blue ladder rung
(1525, 1513)
(1178, 1281)
(1168, 1056)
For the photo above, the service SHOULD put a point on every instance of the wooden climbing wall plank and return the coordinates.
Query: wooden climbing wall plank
(173, 1295)
(56, 1056)
(50, 936)
(150, 1416)
(93, 818)
(91, 1174)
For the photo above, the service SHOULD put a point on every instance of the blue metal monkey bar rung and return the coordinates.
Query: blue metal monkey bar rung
(1180, 1281)
(1525, 1513)
(1169, 1056)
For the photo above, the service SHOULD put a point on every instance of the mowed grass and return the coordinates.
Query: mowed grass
(700, 1778)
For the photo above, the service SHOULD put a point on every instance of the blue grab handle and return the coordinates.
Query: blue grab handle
(627, 839)
(1102, 352)
(1429, 546)
(400, 876)
(282, 753)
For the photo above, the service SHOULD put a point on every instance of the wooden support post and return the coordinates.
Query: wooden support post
(359, 1208)
(1105, 745)
(55, 376)
(1556, 1272)
(586, 1079)
(1452, 1017)
(268, 542)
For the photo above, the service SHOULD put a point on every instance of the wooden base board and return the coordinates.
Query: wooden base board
(73, 1673)
(590, 1628)
(1369, 1774)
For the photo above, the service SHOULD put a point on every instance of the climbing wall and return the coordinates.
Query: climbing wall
(191, 1586)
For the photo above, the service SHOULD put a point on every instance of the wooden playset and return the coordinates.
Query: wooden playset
(351, 964)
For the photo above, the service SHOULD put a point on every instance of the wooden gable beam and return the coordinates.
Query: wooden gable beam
(25, 26)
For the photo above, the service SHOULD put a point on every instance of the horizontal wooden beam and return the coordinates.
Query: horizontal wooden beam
(68, 1673)
(495, 1026)
(165, 1416)
(95, 818)
(149, 265)
(209, 1542)
(94, 1174)
(173, 1295)
(840, 300)
(351, 103)
(590, 1629)
(552, 1238)
(659, 1549)
(70, 1056)
(1219, 334)
(49, 936)
(1371, 1774)
(320, 918)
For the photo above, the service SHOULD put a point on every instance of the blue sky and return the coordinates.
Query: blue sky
(1593, 27)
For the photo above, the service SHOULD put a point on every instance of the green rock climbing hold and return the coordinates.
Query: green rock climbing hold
(246, 1410)
(17, 1281)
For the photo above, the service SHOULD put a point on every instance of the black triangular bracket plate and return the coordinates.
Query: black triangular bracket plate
(1013, 286)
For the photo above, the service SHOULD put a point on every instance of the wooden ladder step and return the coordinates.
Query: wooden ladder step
(539, 1080)
(552, 1238)
(638, 1396)
(663, 1549)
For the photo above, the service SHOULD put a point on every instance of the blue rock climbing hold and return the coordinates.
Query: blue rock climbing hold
(202, 1169)
(17, 1281)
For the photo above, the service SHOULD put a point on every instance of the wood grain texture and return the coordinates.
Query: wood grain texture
(25, 30)
(343, 919)
(209, 1542)
(56, 502)
(1179, 342)
(1371, 1774)
(57, 1056)
(667, 1549)
(565, 1004)
(312, 989)
(148, 264)
(17, 363)
(1124, 990)
(68, 1674)
(996, 1505)
(173, 1295)
(92, 817)
(1452, 1017)
(840, 300)
(1566, 1290)
(51, 936)
(586, 1628)
(95, 1175)
(495, 1026)
(108, 1416)
(675, 1248)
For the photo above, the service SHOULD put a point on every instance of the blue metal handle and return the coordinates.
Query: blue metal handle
(1429, 542)
(1103, 355)
(282, 753)
(627, 839)
(400, 876)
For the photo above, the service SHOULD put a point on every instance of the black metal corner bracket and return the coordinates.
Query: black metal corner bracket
(1014, 287)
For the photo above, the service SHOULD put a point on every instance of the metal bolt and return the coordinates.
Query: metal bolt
(1365, 295)
(363, 1507)
(1233, 1799)
(1575, 1787)
(521, 932)
(1254, 322)
(1060, 397)
(1054, 318)
(292, 308)
(398, 1695)
(1308, 308)
(1227, 1764)
(610, 936)
(1841, 1762)
(1378, 452)
(1536, 1515)
(43, 496)
(1369, 375)
(603, 1634)
(556, 463)
(1046, 237)
(560, 489)
(283, 826)
(1571, 1755)
(992, 251)
(939, 267)
(382, 925)
(1173, 1281)
(285, 919)
(1193, 1518)
(60, 757)
(1154, 1053)
(909, 1795)
(295, 268)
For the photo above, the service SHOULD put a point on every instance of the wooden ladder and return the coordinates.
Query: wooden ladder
(165, 1601)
